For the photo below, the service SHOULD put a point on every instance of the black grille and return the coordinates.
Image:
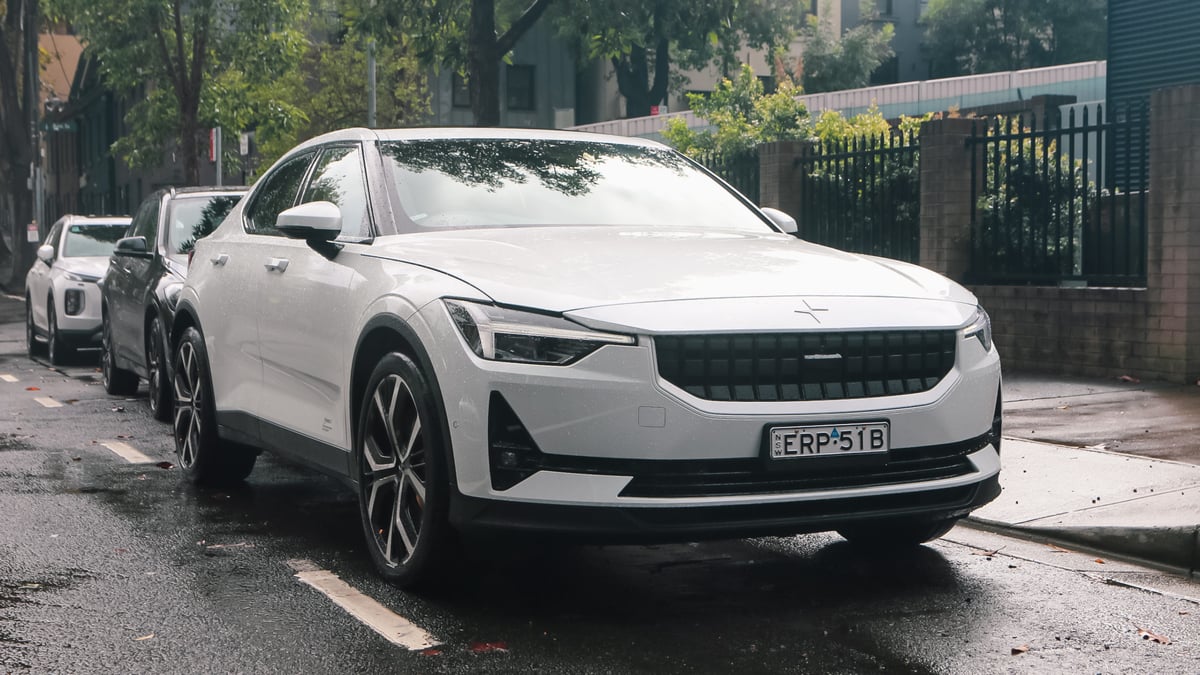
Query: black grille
(806, 366)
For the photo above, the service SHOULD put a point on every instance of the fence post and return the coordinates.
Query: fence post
(946, 167)
(1173, 233)
(779, 177)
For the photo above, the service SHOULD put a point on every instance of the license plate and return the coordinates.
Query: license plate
(833, 440)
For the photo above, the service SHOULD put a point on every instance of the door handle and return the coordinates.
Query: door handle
(276, 264)
(220, 260)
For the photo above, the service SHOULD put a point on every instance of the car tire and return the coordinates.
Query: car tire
(34, 347)
(157, 372)
(204, 458)
(117, 381)
(59, 351)
(403, 479)
(896, 533)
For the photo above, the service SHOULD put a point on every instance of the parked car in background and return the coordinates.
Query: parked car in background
(562, 333)
(62, 301)
(146, 271)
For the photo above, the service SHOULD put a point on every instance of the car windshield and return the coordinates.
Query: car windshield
(471, 183)
(92, 239)
(190, 218)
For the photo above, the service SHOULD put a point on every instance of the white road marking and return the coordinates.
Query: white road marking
(48, 402)
(8, 378)
(127, 452)
(393, 627)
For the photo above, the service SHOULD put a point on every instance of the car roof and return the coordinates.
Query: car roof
(473, 133)
(208, 189)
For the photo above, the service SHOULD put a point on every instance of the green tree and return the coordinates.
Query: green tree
(469, 36)
(200, 64)
(831, 62)
(642, 39)
(964, 37)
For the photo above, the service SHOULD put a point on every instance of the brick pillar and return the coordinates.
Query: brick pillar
(1173, 233)
(779, 177)
(946, 168)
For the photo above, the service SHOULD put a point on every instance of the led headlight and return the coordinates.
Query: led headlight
(502, 334)
(980, 327)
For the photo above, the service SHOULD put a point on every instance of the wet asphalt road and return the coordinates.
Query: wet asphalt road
(108, 566)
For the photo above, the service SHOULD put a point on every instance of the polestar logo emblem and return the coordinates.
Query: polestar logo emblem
(811, 311)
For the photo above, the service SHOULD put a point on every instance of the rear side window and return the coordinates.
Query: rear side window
(339, 179)
(278, 193)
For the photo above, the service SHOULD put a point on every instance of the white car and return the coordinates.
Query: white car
(573, 334)
(62, 301)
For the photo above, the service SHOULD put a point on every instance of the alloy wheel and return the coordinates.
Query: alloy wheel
(156, 372)
(106, 358)
(395, 470)
(189, 405)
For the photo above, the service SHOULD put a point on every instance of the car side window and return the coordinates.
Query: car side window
(338, 178)
(145, 222)
(277, 194)
(55, 238)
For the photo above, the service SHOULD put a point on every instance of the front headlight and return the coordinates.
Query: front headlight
(502, 334)
(980, 327)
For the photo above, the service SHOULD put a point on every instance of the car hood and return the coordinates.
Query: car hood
(89, 266)
(572, 268)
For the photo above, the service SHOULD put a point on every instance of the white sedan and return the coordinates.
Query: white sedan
(62, 300)
(577, 335)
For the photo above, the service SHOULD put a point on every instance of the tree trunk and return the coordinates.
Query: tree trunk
(189, 146)
(483, 64)
(633, 79)
(16, 141)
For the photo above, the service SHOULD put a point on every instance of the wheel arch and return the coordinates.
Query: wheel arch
(383, 335)
(185, 317)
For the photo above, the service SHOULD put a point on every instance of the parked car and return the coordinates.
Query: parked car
(560, 333)
(62, 302)
(146, 271)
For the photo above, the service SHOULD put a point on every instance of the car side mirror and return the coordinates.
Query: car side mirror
(782, 220)
(314, 221)
(45, 253)
(135, 246)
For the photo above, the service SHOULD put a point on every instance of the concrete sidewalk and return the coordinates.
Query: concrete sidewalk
(1125, 505)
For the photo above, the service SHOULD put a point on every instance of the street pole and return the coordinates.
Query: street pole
(371, 83)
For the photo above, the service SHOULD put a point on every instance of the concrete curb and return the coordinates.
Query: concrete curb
(1174, 547)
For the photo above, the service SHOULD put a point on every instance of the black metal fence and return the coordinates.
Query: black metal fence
(863, 195)
(1060, 203)
(738, 169)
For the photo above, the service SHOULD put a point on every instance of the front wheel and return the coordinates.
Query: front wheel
(60, 351)
(896, 533)
(403, 483)
(156, 372)
(204, 458)
(117, 381)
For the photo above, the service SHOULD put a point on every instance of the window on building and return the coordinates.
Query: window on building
(519, 93)
(884, 7)
(460, 93)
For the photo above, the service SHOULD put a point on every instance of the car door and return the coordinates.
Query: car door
(125, 282)
(304, 319)
(39, 279)
(230, 320)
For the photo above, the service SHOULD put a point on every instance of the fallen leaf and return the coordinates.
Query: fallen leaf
(1020, 649)
(1100, 561)
(32, 389)
(121, 550)
(165, 465)
(1153, 637)
(29, 586)
(119, 408)
(987, 553)
(1058, 549)
(1183, 612)
(142, 477)
(1130, 379)
(240, 544)
(71, 400)
(1063, 407)
(431, 651)
(486, 647)
(76, 459)
(144, 637)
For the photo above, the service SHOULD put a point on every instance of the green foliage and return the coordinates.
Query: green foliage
(832, 63)
(980, 36)
(741, 117)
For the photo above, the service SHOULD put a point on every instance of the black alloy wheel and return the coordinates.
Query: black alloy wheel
(204, 458)
(156, 372)
(31, 342)
(59, 350)
(117, 381)
(403, 486)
